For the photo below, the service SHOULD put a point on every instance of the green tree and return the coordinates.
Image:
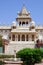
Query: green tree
(0, 41)
(30, 56)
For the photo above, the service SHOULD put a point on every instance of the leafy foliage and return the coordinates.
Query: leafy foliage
(30, 56)
(6, 56)
(0, 41)
(1, 63)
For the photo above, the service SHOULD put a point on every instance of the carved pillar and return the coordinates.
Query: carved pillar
(30, 38)
(20, 37)
(21, 23)
(11, 37)
(25, 37)
(15, 37)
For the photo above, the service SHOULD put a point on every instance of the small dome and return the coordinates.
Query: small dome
(32, 23)
(5, 37)
(13, 23)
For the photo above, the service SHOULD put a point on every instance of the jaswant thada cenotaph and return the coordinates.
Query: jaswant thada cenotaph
(21, 34)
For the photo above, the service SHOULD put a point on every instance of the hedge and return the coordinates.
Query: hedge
(6, 56)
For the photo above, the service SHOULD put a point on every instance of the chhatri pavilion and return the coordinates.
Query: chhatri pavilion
(21, 34)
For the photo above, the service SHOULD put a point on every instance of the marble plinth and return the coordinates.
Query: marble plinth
(13, 62)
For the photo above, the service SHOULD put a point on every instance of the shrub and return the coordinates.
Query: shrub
(1, 41)
(41, 52)
(37, 55)
(1, 63)
(30, 56)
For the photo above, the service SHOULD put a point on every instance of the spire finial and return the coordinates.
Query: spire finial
(23, 6)
(23, 3)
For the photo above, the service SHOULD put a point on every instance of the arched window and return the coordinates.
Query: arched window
(19, 23)
(26, 22)
(26, 37)
(23, 37)
(32, 37)
(18, 37)
(23, 23)
(13, 37)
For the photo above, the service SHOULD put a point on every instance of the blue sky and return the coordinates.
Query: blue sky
(9, 9)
